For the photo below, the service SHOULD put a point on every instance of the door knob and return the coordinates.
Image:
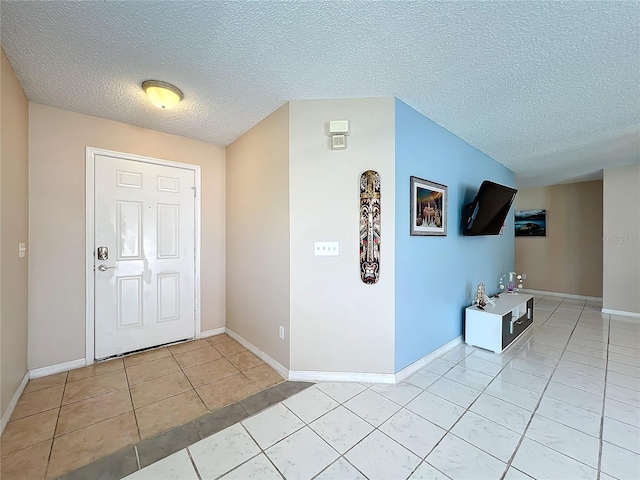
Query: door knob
(104, 268)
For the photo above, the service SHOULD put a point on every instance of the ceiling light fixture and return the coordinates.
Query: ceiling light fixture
(162, 94)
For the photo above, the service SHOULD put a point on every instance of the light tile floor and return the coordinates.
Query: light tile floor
(65, 421)
(563, 404)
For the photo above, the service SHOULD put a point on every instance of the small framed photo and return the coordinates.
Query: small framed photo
(531, 223)
(428, 207)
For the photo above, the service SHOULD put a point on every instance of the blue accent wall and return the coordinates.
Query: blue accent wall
(436, 277)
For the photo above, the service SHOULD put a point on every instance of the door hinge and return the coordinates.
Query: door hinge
(194, 192)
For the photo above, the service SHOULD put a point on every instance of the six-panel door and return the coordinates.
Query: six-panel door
(144, 290)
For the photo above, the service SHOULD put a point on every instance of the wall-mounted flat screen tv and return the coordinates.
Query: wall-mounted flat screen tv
(489, 209)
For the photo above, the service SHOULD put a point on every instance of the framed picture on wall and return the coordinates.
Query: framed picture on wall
(531, 223)
(428, 207)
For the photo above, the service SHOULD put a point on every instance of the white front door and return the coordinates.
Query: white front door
(144, 255)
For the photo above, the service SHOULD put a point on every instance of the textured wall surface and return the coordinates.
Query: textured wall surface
(436, 277)
(258, 235)
(14, 228)
(621, 283)
(339, 324)
(57, 143)
(569, 258)
(548, 89)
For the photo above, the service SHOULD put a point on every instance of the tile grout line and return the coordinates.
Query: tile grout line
(223, 357)
(64, 389)
(196, 429)
(369, 387)
(194, 389)
(468, 409)
(544, 390)
(133, 409)
(564, 350)
(96, 375)
(129, 387)
(185, 375)
(193, 464)
(604, 400)
(339, 404)
(540, 401)
(173, 356)
(401, 406)
(535, 409)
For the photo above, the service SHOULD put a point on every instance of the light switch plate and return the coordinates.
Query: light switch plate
(326, 249)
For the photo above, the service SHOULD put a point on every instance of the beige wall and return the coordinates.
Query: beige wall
(258, 235)
(57, 141)
(338, 323)
(622, 239)
(569, 258)
(14, 228)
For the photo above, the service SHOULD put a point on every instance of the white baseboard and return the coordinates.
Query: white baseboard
(57, 368)
(211, 333)
(316, 376)
(558, 294)
(418, 364)
(319, 376)
(14, 401)
(277, 366)
(622, 313)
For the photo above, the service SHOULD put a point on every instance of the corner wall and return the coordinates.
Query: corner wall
(339, 324)
(621, 249)
(258, 235)
(14, 229)
(57, 141)
(436, 277)
(569, 258)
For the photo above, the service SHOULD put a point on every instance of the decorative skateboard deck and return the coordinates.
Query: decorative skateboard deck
(370, 226)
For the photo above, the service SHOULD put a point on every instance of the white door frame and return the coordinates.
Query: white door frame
(91, 153)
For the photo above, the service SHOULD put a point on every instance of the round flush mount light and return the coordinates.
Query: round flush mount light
(162, 94)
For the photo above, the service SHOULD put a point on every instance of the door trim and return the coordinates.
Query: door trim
(91, 153)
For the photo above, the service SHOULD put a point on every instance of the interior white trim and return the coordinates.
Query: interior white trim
(89, 263)
(418, 364)
(277, 366)
(567, 295)
(57, 368)
(197, 225)
(211, 333)
(317, 376)
(622, 313)
(91, 152)
(14, 401)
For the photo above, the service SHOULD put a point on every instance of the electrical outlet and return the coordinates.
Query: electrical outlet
(323, 249)
(524, 276)
(281, 332)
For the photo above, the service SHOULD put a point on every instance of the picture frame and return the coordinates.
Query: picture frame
(428, 208)
(530, 223)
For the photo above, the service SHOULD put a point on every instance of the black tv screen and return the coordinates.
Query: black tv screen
(489, 209)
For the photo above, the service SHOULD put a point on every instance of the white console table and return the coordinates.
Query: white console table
(496, 327)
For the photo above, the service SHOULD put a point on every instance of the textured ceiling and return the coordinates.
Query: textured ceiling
(549, 89)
